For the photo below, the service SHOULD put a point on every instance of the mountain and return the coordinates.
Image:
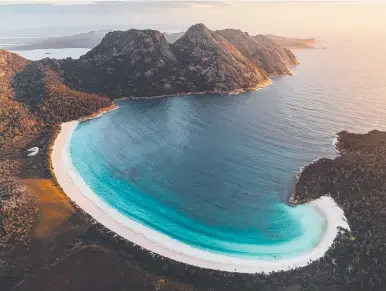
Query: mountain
(294, 43)
(142, 63)
(134, 63)
(33, 98)
(267, 54)
(173, 37)
(220, 64)
(83, 40)
(93, 38)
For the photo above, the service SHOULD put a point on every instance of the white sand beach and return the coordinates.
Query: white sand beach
(79, 192)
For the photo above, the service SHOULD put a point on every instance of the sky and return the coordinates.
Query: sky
(297, 19)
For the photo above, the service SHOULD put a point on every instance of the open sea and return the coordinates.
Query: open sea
(215, 171)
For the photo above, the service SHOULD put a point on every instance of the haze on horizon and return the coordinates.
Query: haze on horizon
(296, 19)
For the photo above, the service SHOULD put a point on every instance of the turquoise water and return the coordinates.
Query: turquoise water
(215, 172)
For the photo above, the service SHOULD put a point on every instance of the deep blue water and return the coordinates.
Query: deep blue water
(215, 171)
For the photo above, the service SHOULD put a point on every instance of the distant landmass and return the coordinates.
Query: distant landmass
(294, 43)
(93, 38)
(82, 40)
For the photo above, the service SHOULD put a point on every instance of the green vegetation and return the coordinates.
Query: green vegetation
(33, 99)
(33, 103)
(356, 181)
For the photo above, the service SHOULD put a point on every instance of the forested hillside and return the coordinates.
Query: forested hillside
(33, 98)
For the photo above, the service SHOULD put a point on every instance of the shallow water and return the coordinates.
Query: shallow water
(214, 171)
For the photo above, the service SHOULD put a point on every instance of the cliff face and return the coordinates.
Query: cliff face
(142, 63)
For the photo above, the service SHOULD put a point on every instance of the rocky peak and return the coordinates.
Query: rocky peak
(132, 43)
(220, 65)
(198, 35)
(198, 29)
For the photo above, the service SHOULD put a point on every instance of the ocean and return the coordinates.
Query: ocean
(215, 171)
(38, 54)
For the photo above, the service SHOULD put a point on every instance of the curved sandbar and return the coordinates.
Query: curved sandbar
(75, 187)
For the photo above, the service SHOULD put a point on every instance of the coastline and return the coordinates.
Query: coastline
(80, 193)
(337, 147)
(101, 112)
(261, 85)
(292, 199)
